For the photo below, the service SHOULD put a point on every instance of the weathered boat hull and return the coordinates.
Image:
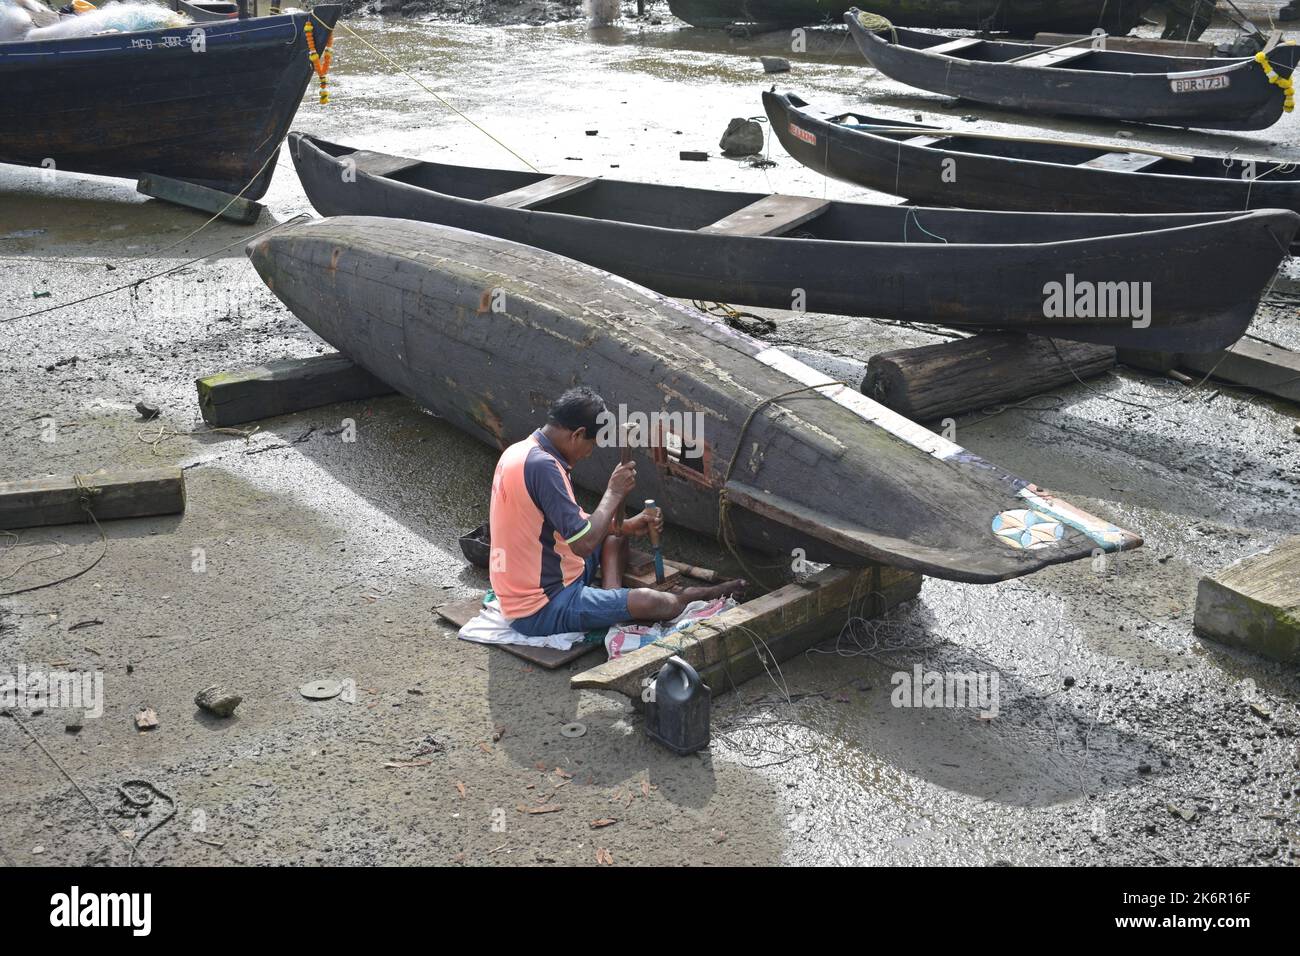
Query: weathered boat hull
(1206, 92)
(210, 109)
(486, 332)
(1022, 16)
(968, 171)
(955, 267)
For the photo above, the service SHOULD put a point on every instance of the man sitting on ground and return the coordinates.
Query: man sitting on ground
(546, 549)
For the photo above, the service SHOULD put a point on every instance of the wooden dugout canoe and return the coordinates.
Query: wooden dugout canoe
(126, 104)
(486, 332)
(926, 165)
(1205, 92)
(1021, 16)
(955, 267)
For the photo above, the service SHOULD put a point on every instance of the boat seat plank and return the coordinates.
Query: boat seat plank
(379, 164)
(1123, 162)
(543, 191)
(771, 216)
(953, 46)
(1055, 57)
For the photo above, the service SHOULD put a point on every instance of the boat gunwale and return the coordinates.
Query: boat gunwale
(828, 121)
(224, 29)
(1225, 217)
(1220, 64)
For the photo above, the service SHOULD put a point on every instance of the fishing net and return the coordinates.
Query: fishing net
(125, 17)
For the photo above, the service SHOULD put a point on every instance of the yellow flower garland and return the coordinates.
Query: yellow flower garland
(1283, 83)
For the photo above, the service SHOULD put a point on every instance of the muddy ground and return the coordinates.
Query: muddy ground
(1121, 737)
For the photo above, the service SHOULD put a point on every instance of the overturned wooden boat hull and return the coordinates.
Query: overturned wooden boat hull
(487, 332)
(1007, 173)
(208, 104)
(955, 267)
(1021, 16)
(1206, 92)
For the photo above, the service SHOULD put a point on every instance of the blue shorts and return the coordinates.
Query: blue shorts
(579, 607)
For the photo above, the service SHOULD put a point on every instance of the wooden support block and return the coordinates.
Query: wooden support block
(278, 388)
(1254, 603)
(1265, 368)
(966, 374)
(737, 644)
(194, 196)
(1256, 365)
(63, 499)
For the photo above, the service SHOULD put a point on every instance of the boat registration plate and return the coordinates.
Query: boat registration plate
(1199, 84)
(800, 133)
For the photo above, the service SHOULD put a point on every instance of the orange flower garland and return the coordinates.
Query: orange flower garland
(320, 62)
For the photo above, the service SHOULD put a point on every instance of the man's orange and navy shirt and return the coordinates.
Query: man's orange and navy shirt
(535, 518)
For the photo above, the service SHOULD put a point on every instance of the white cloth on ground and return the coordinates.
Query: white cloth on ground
(490, 626)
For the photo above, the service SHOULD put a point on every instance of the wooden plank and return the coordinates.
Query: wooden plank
(194, 196)
(1123, 162)
(278, 388)
(63, 499)
(1249, 363)
(1051, 58)
(1254, 603)
(953, 377)
(734, 645)
(544, 191)
(460, 613)
(954, 46)
(771, 216)
(379, 164)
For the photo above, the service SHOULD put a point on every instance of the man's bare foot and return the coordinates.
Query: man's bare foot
(734, 588)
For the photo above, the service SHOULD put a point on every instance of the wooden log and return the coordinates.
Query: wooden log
(738, 644)
(966, 374)
(1251, 364)
(64, 499)
(1254, 603)
(194, 196)
(278, 388)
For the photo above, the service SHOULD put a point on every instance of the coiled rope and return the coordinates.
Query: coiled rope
(876, 24)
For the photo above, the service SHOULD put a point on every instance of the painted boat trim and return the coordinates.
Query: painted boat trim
(1108, 536)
